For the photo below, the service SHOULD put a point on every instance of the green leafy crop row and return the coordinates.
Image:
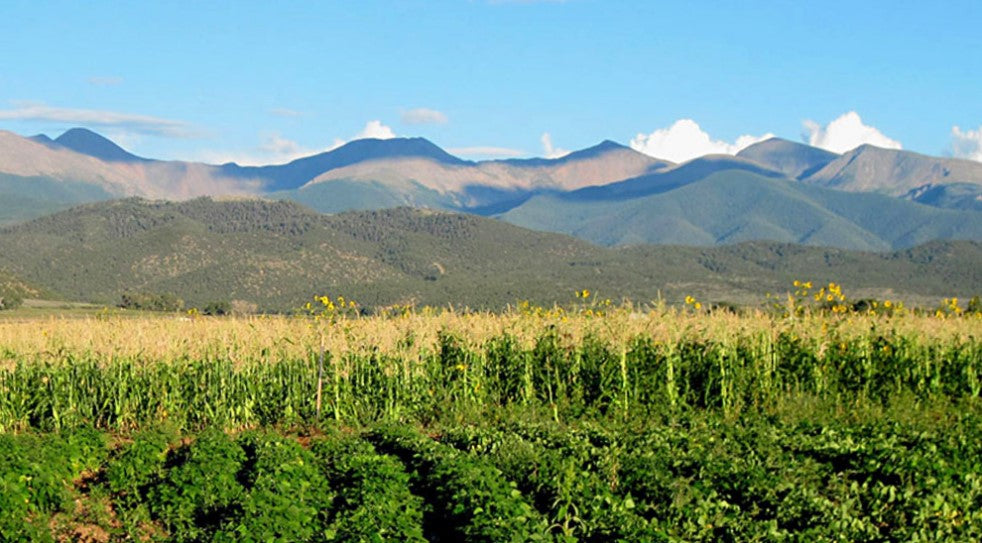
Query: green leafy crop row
(696, 478)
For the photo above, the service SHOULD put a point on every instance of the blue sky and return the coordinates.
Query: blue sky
(266, 82)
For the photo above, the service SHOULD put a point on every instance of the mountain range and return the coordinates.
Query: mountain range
(275, 255)
(776, 190)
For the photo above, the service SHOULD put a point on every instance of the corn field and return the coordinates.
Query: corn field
(196, 372)
(596, 423)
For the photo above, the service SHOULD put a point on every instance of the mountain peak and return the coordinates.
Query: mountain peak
(295, 174)
(369, 148)
(896, 172)
(595, 151)
(42, 138)
(87, 142)
(796, 160)
(869, 147)
(606, 146)
(780, 145)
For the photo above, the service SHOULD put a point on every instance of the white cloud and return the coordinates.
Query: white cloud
(549, 150)
(846, 133)
(280, 146)
(422, 115)
(126, 140)
(967, 144)
(276, 149)
(376, 130)
(273, 149)
(486, 151)
(685, 140)
(142, 124)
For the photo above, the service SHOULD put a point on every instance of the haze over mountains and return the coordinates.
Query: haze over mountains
(776, 190)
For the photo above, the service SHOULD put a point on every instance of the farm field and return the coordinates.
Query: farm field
(593, 422)
(490, 271)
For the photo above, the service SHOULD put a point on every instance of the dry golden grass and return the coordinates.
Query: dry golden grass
(269, 338)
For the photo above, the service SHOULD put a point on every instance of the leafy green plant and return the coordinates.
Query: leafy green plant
(137, 466)
(200, 490)
(373, 501)
(285, 495)
(466, 499)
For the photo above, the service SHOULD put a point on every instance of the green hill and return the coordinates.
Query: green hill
(735, 205)
(13, 290)
(23, 198)
(339, 195)
(278, 254)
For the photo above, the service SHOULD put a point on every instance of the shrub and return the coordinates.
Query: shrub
(9, 299)
(151, 302)
(221, 307)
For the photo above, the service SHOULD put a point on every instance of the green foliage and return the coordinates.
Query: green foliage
(9, 299)
(200, 491)
(220, 307)
(468, 499)
(138, 466)
(815, 476)
(633, 378)
(572, 476)
(36, 474)
(286, 494)
(374, 502)
(806, 431)
(151, 302)
(13, 291)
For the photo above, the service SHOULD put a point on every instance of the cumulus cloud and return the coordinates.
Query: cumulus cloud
(422, 115)
(685, 140)
(373, 130)
(376, 130)
(846, 133)
(486, 151)
(141, 124)
(549, 150)
(966, 144)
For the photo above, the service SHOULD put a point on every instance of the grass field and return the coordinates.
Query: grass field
(810, 421)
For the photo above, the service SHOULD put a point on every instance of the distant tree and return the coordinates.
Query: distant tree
(863, 305)
(221, 307)
(151, 302)
(9, 299)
